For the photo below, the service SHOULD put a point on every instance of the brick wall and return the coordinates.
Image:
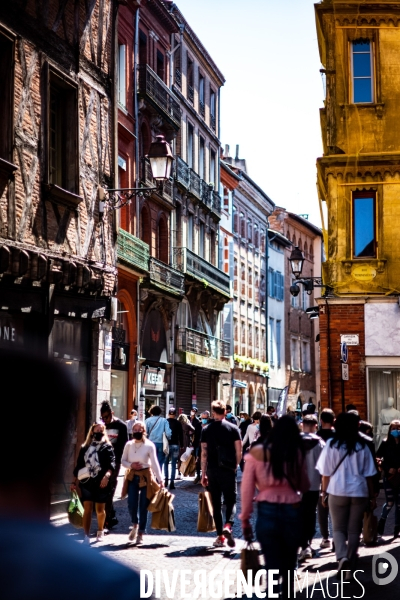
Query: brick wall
(336, 319)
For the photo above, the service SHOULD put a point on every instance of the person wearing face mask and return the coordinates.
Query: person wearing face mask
(140, 457)
(388, 457)
(205, 418)
(253, 430)
(97, 455)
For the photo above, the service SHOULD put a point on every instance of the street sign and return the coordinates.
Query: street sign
(344, 353)
(350, 339)
(345, 372)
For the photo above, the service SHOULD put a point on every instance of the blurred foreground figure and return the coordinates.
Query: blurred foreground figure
(38, 561)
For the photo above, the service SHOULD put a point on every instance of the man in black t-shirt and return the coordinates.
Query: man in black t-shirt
(221, 452)
(175, 444)
(117, 432)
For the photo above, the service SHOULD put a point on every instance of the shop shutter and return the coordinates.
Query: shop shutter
(203, 391)
(183, 389)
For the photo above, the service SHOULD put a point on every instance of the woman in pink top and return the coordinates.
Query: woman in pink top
(278, 471)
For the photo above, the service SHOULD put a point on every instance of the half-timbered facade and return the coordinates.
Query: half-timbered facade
(57, 255)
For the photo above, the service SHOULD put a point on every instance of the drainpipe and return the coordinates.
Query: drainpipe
(137, 180)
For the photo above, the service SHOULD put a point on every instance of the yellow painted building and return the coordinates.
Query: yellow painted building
(359, 191)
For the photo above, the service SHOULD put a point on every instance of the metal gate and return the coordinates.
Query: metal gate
(203, 391)
(183, 389)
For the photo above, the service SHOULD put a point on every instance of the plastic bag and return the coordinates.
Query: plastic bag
(75, 511)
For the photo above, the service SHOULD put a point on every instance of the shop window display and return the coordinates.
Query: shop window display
(384, 400)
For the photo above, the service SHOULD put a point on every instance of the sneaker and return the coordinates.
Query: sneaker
(172, 485)
(219, 542)
(325, 544)
(344, 565)
(133, 533)
(227, 531)
(197, 479)
(139, 539)
(100, 536)
(86, 540)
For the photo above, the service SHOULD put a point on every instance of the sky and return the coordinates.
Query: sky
(268, 52)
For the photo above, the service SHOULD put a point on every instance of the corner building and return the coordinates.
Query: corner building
(358, 179)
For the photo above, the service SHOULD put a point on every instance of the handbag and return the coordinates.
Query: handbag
(205, 519)
(250, 561)
(84, 474)
(165, 443)
(75, 511)
(370, 528)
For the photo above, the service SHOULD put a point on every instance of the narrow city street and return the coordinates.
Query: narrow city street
(164, 551)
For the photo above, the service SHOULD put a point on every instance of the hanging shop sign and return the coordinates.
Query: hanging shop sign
(153, 379)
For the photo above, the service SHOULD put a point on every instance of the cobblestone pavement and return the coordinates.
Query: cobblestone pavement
(186, 549)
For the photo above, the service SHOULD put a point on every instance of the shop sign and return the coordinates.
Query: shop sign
(207, 362)
(107, 347)
(363, 273)
(154, 379)
(350, 339)
(10, 332)
(239, 384)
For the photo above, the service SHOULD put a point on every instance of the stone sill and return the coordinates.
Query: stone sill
(56, 194)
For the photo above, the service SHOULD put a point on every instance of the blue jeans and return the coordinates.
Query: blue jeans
(278, 529)
(160, 453)
(137, 499)
(173, 457)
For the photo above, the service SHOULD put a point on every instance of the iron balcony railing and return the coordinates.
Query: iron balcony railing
(152, 87)
(132, 251)
(190, 93)
(147, 178)
(202, 108)
(178, 78)
(190, 340)
(194, 187)
(167, 277)
(206, 193)
(212, 122)
(182, 172)
(190, 263)
(216, 202)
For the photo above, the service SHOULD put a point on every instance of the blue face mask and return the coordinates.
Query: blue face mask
(204, 421)
(258, 427)
(242, 420)
(228, 414)
(395, 433)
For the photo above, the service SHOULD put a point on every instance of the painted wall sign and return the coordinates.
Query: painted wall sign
(363, 273)
(350, 339)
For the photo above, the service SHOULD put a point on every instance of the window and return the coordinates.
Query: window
(262, 240)
(235, 330)
(256, 342)
(271, 281)
(62, 133)
(250, 335)
(190, 69)
(243, 333)
(122, 75)
(160, 65)
(295, 354)
(275, 284)
(364, 225)
(201, 157)
(142, 48)
(184, 319)
(190, 239)
(361, 66)
(235, 267)
(249, 230)
(201, 94)
(305, 357)
(242, 225)
(235, 220)
(6, 96)
(190, 145)
(212, 167)
(305, 298)
(271, 341)
(212, 109)
(202, 241)
(278, 343)
(256, 235)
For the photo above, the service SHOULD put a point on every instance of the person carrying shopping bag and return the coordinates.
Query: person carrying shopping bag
(94, 467)
(140, 457)
(156, 427)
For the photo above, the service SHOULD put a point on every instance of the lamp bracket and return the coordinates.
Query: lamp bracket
(117, 198)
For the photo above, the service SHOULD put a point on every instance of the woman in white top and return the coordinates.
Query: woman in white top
(253, 430)
(139, 454)
(347, 468)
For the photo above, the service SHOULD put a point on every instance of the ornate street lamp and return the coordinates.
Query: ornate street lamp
(296, 261)
(160, 158)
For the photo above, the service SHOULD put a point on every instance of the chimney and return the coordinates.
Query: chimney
(226, 151)
(237, 152)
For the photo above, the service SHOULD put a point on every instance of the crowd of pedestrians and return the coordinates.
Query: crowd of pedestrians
(294, 472)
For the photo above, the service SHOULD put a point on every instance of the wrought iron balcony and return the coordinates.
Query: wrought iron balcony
(178, 78)
(169, 279)
(182, 172)
(194, 187)
(190, 340)
(212, 122)
(190, 93)
(132, 252)
(206, 193)
(216, 202)
(147, 178)
(154, 90)
(190, 263)
(202, 108)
